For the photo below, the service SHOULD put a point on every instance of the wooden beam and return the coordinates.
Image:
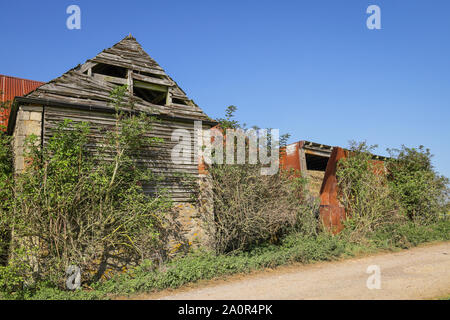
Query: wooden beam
(149, 86)
(168, 97)
(104, 78)
(87, 66)
(118, 62)
(130, 81)
(303, 166)
(158, 99)
(153, 80)
(323, 153)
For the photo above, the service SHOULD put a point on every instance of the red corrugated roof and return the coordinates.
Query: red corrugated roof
(11, 87)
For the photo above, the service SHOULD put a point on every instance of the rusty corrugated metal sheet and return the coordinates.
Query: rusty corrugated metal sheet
(11, 87)
(332, 212)
(290, 156)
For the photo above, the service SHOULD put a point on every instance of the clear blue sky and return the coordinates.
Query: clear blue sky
(310, 68)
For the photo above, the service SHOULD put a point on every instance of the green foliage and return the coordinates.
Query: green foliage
(421, 191)
(365, 193)
(6, 176)
(405, 190)
(83, 204)
(5, 191)
(12, 280)
(229, 122)
(410, 234)
(250, 208)
(204, 265)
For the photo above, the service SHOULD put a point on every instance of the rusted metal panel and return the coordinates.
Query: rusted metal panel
(11, 87)
(332, 213)
(290, 157)
(293, 156)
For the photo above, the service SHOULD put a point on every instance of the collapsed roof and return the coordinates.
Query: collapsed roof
(149, 87)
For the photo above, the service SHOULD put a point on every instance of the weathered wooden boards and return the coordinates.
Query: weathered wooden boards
(81, 86)
(159, 158)
(83, 95)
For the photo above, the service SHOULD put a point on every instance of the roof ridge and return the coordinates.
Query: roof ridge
(76, 85)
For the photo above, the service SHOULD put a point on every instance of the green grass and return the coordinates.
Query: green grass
(202, 265)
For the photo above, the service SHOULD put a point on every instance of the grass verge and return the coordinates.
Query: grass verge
(202, 265)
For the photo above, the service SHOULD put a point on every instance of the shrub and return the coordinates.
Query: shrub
(405, 188)
(12, 280)
(86, 207)
(365, 193)
(421, 191)
(250, 208)
(5, 191)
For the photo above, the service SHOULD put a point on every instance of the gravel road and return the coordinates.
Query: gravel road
(418, 273)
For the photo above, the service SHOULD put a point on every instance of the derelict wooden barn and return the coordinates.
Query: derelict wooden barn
(82, 94)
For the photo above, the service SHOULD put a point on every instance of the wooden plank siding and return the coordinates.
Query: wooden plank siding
(158, 158)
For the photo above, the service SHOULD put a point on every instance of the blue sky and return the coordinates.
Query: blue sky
(310, 68)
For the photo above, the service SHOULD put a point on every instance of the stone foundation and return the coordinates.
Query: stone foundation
(189, 218)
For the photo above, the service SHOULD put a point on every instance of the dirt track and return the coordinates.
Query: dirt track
(418, 273)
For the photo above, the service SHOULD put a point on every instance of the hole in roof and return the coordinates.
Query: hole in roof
(109, 70)
(152, 96)
(179, 101)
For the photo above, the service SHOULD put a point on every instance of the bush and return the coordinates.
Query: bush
(86, 207)
(12, 280)
(365, 193)
(421, 191)
(250, 208)
(5, 191)
(404, 190)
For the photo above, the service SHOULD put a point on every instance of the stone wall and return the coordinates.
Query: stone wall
(189, 217)
(28, 122)
(315, 182)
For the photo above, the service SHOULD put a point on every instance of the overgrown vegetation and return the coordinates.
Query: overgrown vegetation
(76, 206)
(5, 183)
(365, 193)
(422, 192)
(204, 265)
(251, 208)
(377, 196)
